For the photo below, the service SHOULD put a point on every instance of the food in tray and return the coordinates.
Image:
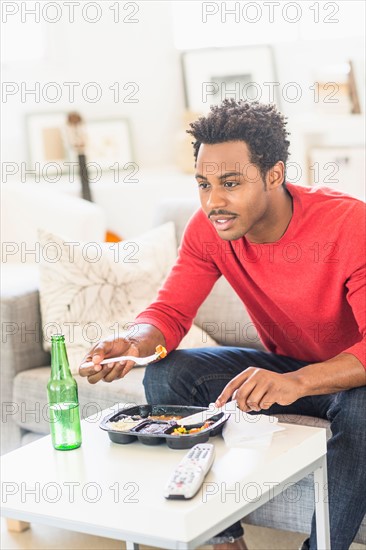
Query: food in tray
(182, 430)
(125, 424)
(154, 428)
(128, 422)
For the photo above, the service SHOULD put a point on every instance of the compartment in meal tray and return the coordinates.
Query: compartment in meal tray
(146, 411)
(187, 440)
(151, 418)
(150, 432)
(117, 433)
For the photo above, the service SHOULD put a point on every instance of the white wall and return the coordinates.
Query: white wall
(105, 52)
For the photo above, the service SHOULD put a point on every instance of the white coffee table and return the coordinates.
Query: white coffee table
(116, 491)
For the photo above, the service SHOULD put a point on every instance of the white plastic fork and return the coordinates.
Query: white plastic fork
(229, 408)
(136, 360)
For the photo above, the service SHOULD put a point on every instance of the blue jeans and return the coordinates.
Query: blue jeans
(197, 377)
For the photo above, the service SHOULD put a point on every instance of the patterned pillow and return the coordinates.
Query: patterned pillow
(91, 290)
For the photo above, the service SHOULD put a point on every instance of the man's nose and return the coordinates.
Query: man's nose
(216, 199)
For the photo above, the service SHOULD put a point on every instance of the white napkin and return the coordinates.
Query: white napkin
(242, 429)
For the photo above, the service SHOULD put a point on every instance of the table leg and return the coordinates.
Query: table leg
(132, 545)
(16, 525)
(321, 507)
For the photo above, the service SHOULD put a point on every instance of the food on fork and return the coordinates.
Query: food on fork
(161, 351)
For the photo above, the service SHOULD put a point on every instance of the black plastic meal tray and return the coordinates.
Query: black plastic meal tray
(173, 441)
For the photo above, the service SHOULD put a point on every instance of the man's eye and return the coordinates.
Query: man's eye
(202, 185)
(231, 183)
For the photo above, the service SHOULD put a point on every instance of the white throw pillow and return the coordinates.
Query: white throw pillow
(91, 290)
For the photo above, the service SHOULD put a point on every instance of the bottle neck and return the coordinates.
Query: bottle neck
(59, 362)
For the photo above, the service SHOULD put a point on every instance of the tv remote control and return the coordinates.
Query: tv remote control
(188, 476)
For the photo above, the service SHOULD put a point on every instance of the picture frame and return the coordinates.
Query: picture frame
(212, 74)
(47, 146)
(108, 141)
(336, 89)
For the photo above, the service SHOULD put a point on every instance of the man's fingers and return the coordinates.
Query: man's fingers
(86, 371)
(116, 372)
(92, 357)
(94, 378)
(119, 371)
(227, 392)
(98, 353)
(231, 387)
(266, 403)
(224, 397)
(243, 393)
(255, 397)
(102, 350)
(121, 368)
(109, 371)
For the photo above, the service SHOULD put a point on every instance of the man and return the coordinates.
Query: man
(296, 257)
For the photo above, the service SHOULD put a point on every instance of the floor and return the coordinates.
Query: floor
(40, 537)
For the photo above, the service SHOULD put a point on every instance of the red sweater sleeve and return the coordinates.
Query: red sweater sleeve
(354, 250)
(356, 297)
(186, 287)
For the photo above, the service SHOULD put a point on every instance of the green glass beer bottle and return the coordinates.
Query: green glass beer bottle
(63, 400)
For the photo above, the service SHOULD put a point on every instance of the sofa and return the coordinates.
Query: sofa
(25, 369)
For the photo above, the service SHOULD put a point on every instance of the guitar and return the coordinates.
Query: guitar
(77, 138)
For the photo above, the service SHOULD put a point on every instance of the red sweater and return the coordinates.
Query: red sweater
(305, 293)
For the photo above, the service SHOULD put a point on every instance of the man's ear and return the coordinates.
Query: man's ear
(275, 176)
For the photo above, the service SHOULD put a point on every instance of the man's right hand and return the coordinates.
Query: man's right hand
(141, 343)
(110, 347)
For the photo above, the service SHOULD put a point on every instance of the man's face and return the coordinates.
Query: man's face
(232, 192)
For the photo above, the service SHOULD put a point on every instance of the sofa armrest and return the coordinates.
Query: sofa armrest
(21, 349)
(21, 334)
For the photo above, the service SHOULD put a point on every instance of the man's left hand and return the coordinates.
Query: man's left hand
(256, 389)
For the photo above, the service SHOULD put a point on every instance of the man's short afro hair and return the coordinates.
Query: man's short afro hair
(261, 126)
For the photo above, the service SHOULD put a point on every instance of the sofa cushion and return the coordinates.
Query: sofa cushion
(93, 290)
(281, 513)
(303, 420)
